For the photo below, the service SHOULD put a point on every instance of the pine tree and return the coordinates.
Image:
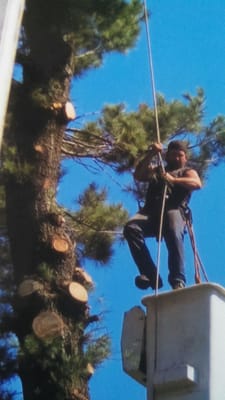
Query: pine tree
(59, 41)
(119, 138)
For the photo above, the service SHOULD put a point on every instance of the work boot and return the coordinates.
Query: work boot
(178, 285)
(143, 282)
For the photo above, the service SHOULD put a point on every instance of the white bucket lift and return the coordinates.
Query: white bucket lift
(184, 344)
(133, 344)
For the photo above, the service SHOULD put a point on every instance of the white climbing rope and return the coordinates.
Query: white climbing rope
(150, 60)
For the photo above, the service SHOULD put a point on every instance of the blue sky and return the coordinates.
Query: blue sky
(188, 43)
(188, 46)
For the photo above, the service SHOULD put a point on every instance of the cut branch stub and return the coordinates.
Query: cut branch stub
(47, 184)
(60, 244)
(56, 106)
(47, 325)
(28, 287)
(39, 148)
(56, 219)
(90, 369)
(84, 277)
(78, 292)
(79, 395)
(69, 111)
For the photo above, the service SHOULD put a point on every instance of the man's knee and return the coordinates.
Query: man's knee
(174, 234)
(127, 230)
(130, 229)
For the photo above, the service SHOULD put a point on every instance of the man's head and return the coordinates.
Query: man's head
(176, 155)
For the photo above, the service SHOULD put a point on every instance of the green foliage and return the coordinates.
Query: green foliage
(98, 350)
(125, 136)
(8, 342)
(9, 164)
(8, 356)
(50, 360)
(2, 197)
(45, 272)
(61, 361)
(176, 117)
(12, 165)
(80, 33)
(211, 148)
(97, 222)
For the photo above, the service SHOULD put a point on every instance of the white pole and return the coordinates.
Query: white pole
(11, 12)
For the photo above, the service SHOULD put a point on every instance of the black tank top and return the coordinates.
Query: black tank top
(177, 196)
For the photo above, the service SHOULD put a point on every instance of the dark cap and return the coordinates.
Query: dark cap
(178, 145)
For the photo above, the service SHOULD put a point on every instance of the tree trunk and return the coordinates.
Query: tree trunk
(43, 252)
(30, 191)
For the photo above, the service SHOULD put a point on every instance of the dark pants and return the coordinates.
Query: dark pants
(142, 226)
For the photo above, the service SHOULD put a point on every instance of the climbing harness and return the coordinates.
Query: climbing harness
(198, 265)
(197, 261)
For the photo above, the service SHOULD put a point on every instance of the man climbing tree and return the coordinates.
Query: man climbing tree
(180, 182)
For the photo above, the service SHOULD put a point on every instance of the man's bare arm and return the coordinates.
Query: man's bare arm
(190, 180)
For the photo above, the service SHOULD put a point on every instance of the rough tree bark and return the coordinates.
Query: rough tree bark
(40, 239)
